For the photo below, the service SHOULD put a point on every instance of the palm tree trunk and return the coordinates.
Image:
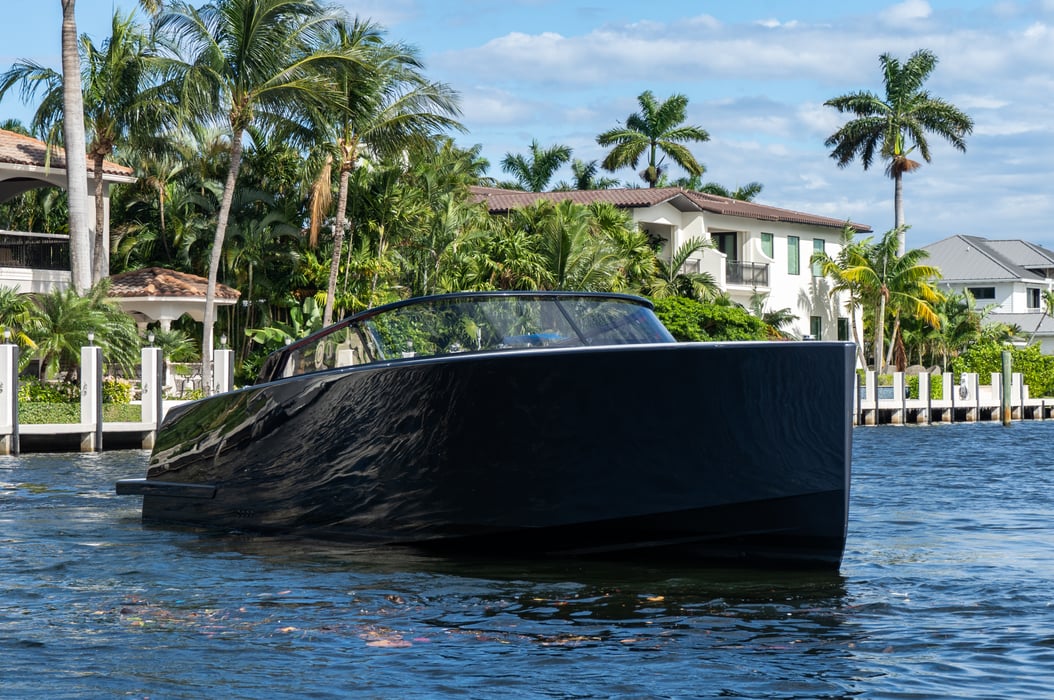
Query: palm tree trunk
(377, 266)
(338, 242)
(880, 335)
(856, 337)
(76, 157)
(893, 338)
(214, 261)
(100, 259)
(898, 211)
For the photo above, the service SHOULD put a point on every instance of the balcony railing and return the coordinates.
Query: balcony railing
(747, 273)
(35, 251)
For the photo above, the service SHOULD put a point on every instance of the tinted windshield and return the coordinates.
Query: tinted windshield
(452, 325)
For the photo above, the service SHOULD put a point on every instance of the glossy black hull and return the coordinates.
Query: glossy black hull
(700, 452)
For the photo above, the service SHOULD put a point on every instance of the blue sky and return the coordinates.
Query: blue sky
(756, 73)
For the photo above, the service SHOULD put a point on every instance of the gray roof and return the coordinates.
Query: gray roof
(1026, 322)
(975, 259)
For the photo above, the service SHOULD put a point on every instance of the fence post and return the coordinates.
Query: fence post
(9, 399)
(222, 370)
(152, 393)
(924, 395)
(91, 398)
(871, 390)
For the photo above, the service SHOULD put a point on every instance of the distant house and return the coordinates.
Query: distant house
(758, 249)
(35, 261)
(1006, 277)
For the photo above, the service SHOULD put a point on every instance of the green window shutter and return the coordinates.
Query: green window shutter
(817, 247)
(793, 253)
(767, 244)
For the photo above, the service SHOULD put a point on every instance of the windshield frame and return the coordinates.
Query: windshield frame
(361, 337)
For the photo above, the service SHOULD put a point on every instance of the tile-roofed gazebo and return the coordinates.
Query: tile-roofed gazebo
(500, 201)
(25, 164)
(159, 294)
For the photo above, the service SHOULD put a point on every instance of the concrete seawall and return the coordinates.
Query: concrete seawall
(965, 401)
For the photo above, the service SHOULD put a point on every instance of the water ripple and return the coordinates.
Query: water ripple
(944, 592)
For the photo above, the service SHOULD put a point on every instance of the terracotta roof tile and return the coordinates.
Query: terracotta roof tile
(161, 282)
(17, 149)
(500, 201)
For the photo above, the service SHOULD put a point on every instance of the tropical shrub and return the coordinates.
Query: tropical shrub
(35, 391)
(690, 320)
(116, 391)
(986, 357)
(936, 386)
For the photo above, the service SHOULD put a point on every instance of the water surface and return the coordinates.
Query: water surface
(947, 590)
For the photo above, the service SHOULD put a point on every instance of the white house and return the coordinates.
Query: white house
(758, 249)
(1007, 278)
(38, 262)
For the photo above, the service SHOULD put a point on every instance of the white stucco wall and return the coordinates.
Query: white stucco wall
(806, 296)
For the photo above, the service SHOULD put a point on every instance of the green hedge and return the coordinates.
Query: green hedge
(38, 412)
(48, 413)
(986, 357)
(121, 413)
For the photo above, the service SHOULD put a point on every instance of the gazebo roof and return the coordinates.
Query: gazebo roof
(162, 282)
(25, 165)
(17, 149)
(158, 294)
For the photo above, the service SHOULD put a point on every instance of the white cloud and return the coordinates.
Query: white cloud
(761, 99)
(906, 12)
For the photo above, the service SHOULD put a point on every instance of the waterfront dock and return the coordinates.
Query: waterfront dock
(966, 401)
(91, 433)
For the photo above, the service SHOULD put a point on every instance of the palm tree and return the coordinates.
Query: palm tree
(673, 280)
(15, 317)
(657, 128)
(247, 64)
(888, 281)
(775, 319)
(584, 177)
(76, 158)
(574, 254)
(62, 320)
(895, 125)
(534, 172)
(834, 269)
(388, 108)
(744, 193)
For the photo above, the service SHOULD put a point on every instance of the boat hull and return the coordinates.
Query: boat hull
(704, 452)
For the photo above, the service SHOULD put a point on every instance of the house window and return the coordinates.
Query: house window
(726, 243)
(980, 293)
(766, 244)
(793, 246)
(816, 327)
(817, 248)
(843, 328)
(1033, 298)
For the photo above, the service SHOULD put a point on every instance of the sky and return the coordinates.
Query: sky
(756, 74)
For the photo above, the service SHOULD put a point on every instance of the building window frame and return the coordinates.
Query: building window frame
(843, 328)
(816, 327)
(793, 255)
(982, 293)
(1032, 297)
(819, 245)
(768, 244)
